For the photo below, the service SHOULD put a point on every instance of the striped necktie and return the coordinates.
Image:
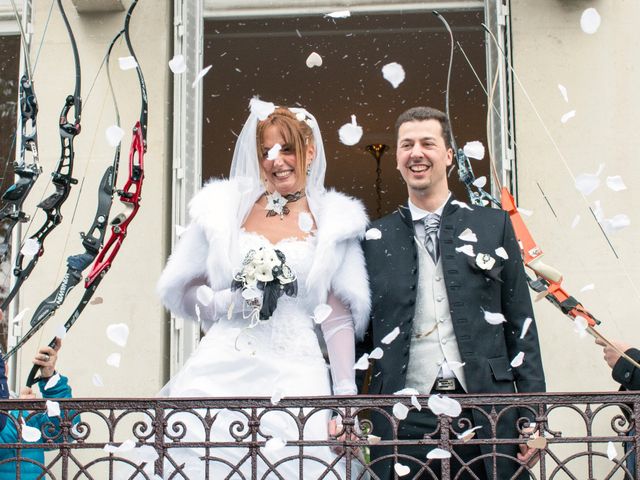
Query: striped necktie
(431, 226)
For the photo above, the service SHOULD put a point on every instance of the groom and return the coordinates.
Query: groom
(441, 275)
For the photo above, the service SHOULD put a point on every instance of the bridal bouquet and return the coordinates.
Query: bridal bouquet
(264, 278)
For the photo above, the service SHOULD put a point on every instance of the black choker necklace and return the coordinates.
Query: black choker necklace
(277, 204)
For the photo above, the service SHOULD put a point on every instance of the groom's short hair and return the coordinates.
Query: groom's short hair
(417, 114)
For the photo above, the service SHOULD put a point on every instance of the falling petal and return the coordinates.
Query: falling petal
(615, 183)
(480, 182)
(180, 230)
(339, 14)
(200, 76)
(376, 354)
(576, 221)
(177, 64)
(466, 249)
(350, 133)
(97, 380)
(362, 363)
(468, 236)
(611, 451)
(525, 326)
(391, 336)
(567, 116)
(563, 92)
(590, 21)
(502, 253)
(468, 434)
(276, 396)
(517, 360)
(114, 135)
(127, 63)
(461, 204)
(373, 439)
(474, 149)
(453, 365)
(494, 318)
(52, 382)
(53, 408)
(373, 234)
(400, 411)
(525, 212)
(30, 434)
(113, 360)
(614, 224)
(96, 301)
(204, 295)
(580, 325)
(401, 470)
(587, 287)
(126, 446)
(118, 333)
(443, 405)
(144, 454)
(598, 212)
(30, 248)
(305, 222)
(61, 332)
(407, 391)
(261, 109)
(439, 454)
(393, 73)
(274, 151)
(321, 312)
(416, 403)
(275, 444)
(18, 318)
(314, 60)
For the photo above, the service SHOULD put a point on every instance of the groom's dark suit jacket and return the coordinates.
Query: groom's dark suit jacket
(485, 349)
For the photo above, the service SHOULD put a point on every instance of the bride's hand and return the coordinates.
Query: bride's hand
(337, 431)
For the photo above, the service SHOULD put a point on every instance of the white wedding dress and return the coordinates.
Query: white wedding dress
(278, 358)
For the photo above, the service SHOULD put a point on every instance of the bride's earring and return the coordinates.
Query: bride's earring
(309, 169)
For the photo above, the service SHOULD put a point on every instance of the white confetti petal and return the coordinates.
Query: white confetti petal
(525, 326)
(580, 325)
(200, 76)
(391, 336)
(502, 253)
(416, 403)
(474, 149)
(618, 222)
(567, 116)
(97, 380)
(615, 183)
(305, 222)
(373, 439)
(443, 405)
(362, 363)
(339, 14)
(118, 333)
(53, 408)
(467, 434)
(407, 391)
(453, 365)
(563, 92)
(494, 318)
(373, 234)
(204, 295)
(276, 396)
(438, 453)
(468, 236)
(350, 133)
(17, 320)
(576, 221)
(261, 109)
(461, 204)
(144, 454)
(275, 444)
(30, 248)
(61, 332)
(52, 382)
(590, 21)
(180, 230)
(525, 212)
(611, 451)
(466, 249)
(393, 73)
(177, 64)
(401, 470)
(517, 360)
(114, 135)
(588, 287)
(400, 411)
(480, 182)
(126, 446)
(127, 63)
(30, 434)
(598, 211)
(376, 353)
(113, 360)
(314, 60)
(321, 312)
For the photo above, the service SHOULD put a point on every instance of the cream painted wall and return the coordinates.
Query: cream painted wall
(602, 75)
(128, 289)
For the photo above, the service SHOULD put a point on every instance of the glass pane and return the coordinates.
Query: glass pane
(266, 57)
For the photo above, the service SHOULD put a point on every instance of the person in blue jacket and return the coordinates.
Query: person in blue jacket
(44, 426)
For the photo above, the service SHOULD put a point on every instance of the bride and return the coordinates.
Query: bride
(269, 253)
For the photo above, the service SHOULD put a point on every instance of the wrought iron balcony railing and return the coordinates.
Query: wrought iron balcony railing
(580, 436)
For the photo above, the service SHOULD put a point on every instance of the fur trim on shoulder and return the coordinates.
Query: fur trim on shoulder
(340, 217)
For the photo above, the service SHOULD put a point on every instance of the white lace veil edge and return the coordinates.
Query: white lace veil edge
(245, 168)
